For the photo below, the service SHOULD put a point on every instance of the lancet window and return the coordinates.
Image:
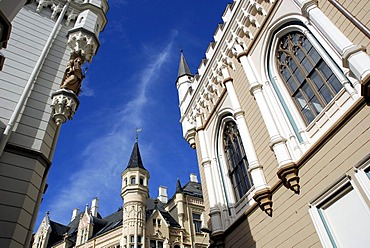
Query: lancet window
(236, 160)
(308, 78)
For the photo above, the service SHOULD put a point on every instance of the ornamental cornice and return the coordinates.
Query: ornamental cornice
(74, 9)
(242, 21)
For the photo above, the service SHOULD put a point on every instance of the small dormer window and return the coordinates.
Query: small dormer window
(132, 180)
(141, 181)
(159, 222)
(154, 222)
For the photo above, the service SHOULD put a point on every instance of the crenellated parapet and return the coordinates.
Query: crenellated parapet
(232, 38)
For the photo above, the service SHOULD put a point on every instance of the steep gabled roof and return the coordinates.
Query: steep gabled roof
(135, 159)
(155, 204)
(111, 221)
(183, 67)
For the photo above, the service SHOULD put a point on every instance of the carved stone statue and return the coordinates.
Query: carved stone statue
(73, 76)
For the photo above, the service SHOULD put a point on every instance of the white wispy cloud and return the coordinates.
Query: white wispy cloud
(101, 160)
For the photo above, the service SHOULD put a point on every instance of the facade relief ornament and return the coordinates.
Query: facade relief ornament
(56, 8)
(83, 43)
(73, 75)
(288, 174)
(264, 200)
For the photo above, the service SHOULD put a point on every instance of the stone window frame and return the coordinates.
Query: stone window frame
(238, 196)
(283, 108)
(295, 47)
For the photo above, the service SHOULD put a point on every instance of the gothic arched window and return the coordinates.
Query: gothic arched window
(236, 159)
(309, 80)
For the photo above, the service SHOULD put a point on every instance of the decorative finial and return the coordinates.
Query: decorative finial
(137, 130)
(47, 213)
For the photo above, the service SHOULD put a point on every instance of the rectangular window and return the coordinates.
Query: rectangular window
(154, 222)
(141, 181)
(160, 244)
(341, 217)
(132, 239)
(152, 244)
(139, 239)
(159, 222)
(197, 222)
(132, 180)
(155, 244)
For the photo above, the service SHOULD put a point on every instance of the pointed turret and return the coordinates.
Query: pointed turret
(178, 186)
(183, 67)
(179, 200)
(135, 159)
(134, 193)
(184, 84)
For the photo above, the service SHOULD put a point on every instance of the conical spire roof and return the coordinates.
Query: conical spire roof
(178, 186)
(183, 66)
(135, 159)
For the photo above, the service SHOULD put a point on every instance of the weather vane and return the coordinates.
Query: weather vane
(137, 130)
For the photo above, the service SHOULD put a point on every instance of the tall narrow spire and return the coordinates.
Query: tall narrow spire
(178, 186)
(135, 159)
(183, 66)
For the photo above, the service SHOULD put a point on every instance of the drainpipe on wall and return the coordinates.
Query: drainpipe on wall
(10, 126)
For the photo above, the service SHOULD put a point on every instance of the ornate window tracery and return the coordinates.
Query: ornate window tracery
(236, 160)
(307, 77)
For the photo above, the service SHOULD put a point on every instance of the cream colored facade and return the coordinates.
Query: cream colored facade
(278, 113)
(141, 221)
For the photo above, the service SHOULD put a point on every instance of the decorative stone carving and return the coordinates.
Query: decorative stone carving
(73, 76)
(64, 105)
(83, 43)
(289, 175)
(71, 16)
(264, 200)
(56, 8)
(42, 4)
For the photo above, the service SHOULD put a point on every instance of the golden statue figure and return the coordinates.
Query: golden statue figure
(73, 76)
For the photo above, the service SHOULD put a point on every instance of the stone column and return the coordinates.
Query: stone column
(255, 168)
(215, 213)
(288, 171)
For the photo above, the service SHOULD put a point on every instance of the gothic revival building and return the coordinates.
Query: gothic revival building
(46, 43)
(278, 115)
(141, 221)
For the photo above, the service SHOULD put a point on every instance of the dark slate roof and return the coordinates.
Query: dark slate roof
(178, 186)
(154, 204)
(193, 189)
(183, 67)
(58, 229)
(135, 159)
(110, 222)
(57, 232)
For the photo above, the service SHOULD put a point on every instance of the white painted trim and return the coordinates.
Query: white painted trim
(331, 191)
(362, 178)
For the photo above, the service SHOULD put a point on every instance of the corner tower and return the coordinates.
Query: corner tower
(134, 193)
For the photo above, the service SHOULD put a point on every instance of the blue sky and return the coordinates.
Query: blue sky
(131, 83)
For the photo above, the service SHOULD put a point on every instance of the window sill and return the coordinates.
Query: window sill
(329, 115)
(244, 203)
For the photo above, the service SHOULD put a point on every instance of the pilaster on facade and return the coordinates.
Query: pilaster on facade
(353, 56)
(255, 167)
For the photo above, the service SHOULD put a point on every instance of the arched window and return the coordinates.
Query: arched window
(309, 80)
(236, 159)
